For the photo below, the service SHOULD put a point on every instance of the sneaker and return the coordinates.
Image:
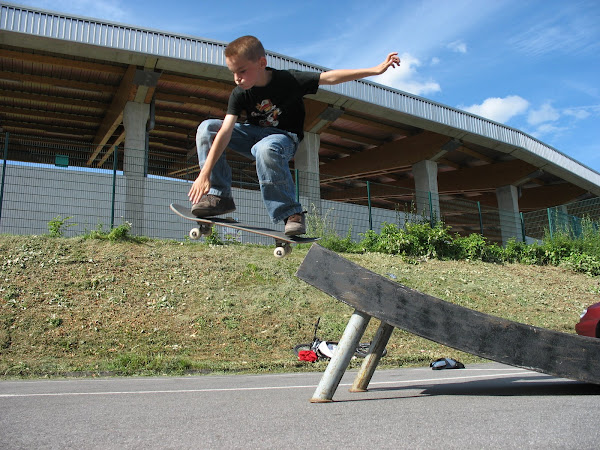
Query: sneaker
(295, 224)
(213, 205)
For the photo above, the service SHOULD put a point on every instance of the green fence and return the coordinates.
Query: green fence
(41, 182)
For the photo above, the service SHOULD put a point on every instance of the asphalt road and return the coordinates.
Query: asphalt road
(482, 406)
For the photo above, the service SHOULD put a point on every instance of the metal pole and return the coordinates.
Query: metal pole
(3, 172)
(431, 219)
(363, 378)
(523, 227)
(114, 187)
(296, 174)
(369, 203)
(341, 358)
(480, 218)
(549, 221)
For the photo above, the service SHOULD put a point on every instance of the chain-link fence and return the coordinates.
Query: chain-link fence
(59, 183)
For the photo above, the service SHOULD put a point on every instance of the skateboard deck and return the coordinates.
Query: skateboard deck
(205, 225)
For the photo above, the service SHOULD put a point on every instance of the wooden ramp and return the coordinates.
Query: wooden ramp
(372, 295)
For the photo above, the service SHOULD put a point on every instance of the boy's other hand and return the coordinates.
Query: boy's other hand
(392, 60)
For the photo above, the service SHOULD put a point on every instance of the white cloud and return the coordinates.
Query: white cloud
(458, 46)
(581, 112)
(545, 113)
(568, 32)
(407, 78)
(499, 109)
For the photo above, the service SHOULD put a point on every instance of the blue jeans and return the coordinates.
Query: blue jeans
(272, 150)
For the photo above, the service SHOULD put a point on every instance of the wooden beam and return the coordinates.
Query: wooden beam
(114, 115)
(313, 110)
(548, 196)
(375, 124)
(111, 149)
(64, 62)
(484, 177)
(354, 137)
(55, 116)
(198, 82)
(474, 154)
(563, 355)
(21, 79)
(18, 96)
(186, 100)
(388, 157)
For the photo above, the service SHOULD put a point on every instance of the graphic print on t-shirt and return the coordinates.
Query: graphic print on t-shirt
(268, 113)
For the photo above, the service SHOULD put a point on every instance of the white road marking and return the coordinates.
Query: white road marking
(269, 388)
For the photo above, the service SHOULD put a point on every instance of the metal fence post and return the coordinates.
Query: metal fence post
(550, 222)
(369, 203)
(3, 172)
(480, 218)
(523, 227)
(114, 187)
(296, 174)
(432, 220)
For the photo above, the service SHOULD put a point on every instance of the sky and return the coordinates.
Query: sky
(533, 65)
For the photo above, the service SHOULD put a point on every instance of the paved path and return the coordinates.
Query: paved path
(482, 406)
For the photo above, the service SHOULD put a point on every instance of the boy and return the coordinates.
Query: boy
(272, 100)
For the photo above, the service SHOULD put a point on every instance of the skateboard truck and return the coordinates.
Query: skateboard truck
(203, 229)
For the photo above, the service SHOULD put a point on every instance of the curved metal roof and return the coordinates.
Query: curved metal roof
(174, 51)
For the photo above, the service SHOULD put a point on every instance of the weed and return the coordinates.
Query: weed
(56, 226)
(117, 234)
(54, 321)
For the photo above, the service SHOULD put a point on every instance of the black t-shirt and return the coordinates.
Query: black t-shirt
(278, 104)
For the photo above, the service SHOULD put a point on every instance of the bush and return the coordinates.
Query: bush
(476, 247)
(415, 240)
(420, 240)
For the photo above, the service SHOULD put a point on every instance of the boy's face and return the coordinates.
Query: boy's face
(247, 73)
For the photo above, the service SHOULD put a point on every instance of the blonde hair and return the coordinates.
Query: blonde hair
(247, 47)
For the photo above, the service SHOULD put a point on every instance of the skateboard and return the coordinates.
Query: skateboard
(205, 225)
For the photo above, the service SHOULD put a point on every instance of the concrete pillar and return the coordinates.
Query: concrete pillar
(306, 162)
(135, 117)
(426, 187)
(508, 210)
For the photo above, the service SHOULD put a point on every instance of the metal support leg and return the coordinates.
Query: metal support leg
(363, 378)
(341, 358)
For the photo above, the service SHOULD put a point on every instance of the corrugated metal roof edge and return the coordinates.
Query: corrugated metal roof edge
(85, 30)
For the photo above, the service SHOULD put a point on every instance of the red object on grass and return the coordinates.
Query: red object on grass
(307, 355)
(589, 325)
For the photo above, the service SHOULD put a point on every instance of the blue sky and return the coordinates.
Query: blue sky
(531, 64)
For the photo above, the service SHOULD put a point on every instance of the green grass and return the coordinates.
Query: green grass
(80, 306)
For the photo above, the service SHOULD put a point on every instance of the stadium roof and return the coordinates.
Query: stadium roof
(68, 78)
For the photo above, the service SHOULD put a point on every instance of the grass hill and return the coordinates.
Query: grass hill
(75, 306)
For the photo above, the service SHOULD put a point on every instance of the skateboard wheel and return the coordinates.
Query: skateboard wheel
(279, 252)
(194, 233)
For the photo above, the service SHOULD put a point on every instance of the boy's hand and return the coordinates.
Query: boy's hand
(392, 60)
(342, 75)
(200, 187)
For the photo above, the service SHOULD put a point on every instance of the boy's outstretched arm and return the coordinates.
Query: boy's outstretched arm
(342, 75)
